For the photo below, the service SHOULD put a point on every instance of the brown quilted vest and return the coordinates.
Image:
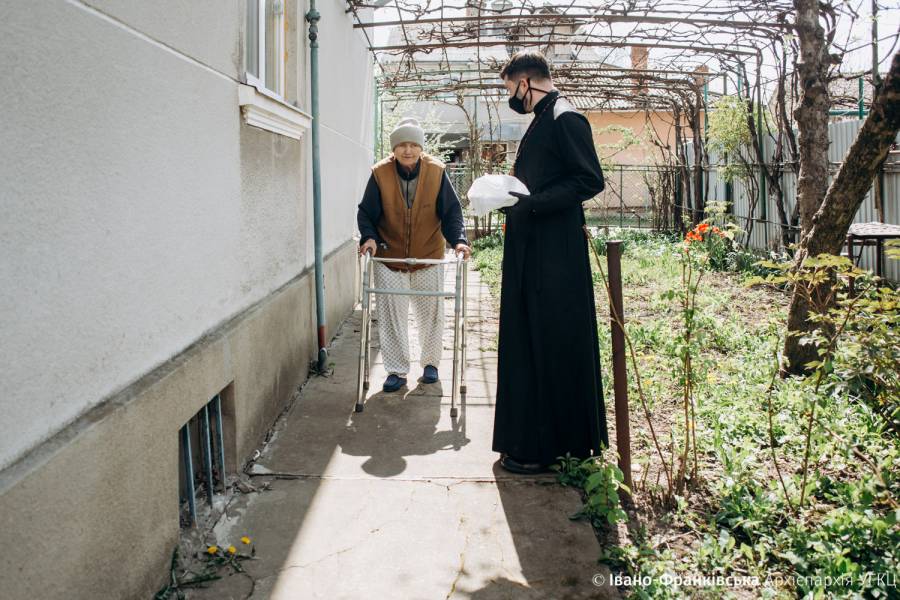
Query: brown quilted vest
(410, 232)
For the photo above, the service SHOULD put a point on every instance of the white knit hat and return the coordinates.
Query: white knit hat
(408, 130)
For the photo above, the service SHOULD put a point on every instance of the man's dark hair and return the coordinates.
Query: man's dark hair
(529, 63)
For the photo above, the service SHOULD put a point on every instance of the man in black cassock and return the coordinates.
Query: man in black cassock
(549, 391)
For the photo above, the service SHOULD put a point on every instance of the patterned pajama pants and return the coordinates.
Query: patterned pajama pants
(393, 316)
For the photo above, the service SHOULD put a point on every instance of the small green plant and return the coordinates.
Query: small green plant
(212, 561)
(824, 282)
(601, 481)
(494, 240)
(728, 135)
(702, 245)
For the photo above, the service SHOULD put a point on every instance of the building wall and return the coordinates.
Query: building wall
(347, 108)
(661, 124)
(123, 228)
(142, 220)
(626, 187)
(94, 512)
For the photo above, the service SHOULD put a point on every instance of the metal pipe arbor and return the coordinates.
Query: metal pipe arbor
(452, 51)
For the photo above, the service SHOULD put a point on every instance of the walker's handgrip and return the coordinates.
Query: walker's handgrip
(421, 261)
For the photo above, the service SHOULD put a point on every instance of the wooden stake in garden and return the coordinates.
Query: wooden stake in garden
(620, 377)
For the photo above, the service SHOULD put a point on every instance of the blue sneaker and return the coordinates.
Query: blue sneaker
(430, 375)
(394, 383)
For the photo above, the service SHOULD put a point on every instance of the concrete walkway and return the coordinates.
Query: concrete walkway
(399, 502)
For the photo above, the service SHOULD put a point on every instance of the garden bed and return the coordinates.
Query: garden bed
(732, 517)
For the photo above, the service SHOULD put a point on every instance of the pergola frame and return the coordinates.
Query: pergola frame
(752, 45)
(689, 33)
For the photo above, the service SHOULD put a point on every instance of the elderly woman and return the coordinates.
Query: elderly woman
(410, 210)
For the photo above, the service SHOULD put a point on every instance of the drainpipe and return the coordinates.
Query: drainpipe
(313, 17)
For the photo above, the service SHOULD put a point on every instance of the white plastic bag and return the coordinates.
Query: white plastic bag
(490, 192)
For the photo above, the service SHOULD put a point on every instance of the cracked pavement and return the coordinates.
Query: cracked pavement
(400, 501)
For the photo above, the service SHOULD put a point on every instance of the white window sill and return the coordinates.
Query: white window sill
(268, 112)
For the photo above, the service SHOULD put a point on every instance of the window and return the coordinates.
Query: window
(203, 436)
(262, 100)
(265, 45)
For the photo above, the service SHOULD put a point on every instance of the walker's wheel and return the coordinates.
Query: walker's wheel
(454, 412)
(359, 408)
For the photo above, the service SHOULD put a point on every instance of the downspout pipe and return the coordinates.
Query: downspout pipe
(312, 18)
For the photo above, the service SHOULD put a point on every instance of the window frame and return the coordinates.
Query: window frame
(259, 80)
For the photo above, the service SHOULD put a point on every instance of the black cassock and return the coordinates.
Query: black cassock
(549, 391)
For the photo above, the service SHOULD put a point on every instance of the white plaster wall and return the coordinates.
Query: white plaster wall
(206, 30)
(138, 211)
(346, 105)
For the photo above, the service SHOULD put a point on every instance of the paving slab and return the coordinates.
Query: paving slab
(401, 501)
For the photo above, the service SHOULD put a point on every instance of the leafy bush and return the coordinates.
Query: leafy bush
(867, 359)
(494, 240)
(601, 481)
(488, 258)
(630, 237)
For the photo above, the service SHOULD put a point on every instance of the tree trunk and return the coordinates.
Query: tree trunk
(812, 112)
(832, 221)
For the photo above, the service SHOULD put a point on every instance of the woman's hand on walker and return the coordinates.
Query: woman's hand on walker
(466, 251)
(368, 246)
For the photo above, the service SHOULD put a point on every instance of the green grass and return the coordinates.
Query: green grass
(735, 520)
(488, 257)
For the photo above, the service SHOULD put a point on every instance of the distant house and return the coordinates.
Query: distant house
(644, 120)
(501, 129)
(645, 114)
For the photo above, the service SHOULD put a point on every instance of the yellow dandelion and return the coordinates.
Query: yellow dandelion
(212, 549)
(245, 540)
(231, 549)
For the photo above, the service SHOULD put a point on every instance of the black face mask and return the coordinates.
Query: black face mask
(518, 104)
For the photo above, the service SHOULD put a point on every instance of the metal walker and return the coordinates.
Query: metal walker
(459, 321)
